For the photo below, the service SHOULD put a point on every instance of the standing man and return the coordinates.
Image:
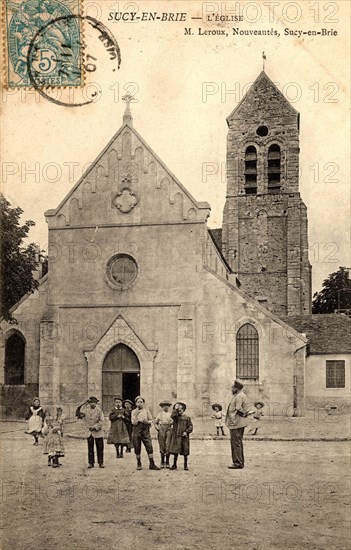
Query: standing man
(93, 418)
(236, 420)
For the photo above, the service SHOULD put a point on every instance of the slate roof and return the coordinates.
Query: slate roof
(218, 245)
(261, 77)
(329, 333)
(217, 237)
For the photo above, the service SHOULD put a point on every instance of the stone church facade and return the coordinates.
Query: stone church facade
(141, 297)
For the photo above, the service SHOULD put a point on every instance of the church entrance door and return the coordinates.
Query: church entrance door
(120, 375)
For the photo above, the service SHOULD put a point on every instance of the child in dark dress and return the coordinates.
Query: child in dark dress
(118, 435)
(182, 427)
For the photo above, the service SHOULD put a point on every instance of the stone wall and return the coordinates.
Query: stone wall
(216, 329)
(265, 234)
(14, 400)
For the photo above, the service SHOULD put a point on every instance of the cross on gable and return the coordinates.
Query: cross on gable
(127, 99)
(127, 117)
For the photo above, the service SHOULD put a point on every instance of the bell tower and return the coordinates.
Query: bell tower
(264, 234)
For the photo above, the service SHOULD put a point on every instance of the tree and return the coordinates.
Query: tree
(17, 260)
(335, 294)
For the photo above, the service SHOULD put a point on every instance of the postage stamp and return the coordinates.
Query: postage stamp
(43, 44)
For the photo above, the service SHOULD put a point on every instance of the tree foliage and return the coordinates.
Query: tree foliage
(18, 261)
(335, 294)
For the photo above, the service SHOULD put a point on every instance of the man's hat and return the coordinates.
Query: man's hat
(128, 401)
(118, 397)
(258, 403)
(217, 405)
(164, 403)
(93, 399)
(180, 403)
(238, 385)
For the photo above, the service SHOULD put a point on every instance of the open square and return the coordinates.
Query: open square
(291, 494)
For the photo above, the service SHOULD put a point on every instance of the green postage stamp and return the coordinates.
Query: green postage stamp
(43, 43)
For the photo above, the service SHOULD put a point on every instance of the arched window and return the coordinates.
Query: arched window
(14, 360)
(250, 170)
(274, 168)
(247, 352)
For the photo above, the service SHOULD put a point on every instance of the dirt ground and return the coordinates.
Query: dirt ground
(291, 495)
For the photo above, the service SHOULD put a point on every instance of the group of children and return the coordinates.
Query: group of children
(129, 427)
(219, 417)
(43, 424)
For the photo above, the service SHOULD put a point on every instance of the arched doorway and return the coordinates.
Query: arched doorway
(14, 360)
(120, 375)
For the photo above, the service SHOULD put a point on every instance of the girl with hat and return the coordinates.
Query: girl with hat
(182, 427)
(257, 416)
(35, 417)
(218, 416)
(141, 421)
(118, 435)
(163, 425)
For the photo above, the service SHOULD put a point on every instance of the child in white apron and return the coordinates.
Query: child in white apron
(35, 418)
(219, 417)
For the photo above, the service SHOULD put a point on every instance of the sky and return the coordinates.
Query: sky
(184, 87)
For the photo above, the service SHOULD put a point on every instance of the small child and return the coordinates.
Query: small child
(60, 418)
(118, 435)
(257, 415)
(54, 443)
(219, 417)
(182, 427)
(163, 424)
(128, 407)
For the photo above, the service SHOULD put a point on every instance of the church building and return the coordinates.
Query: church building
(141, 297)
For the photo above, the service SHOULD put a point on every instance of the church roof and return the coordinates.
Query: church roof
(128, 123)
(279, 320)
(262, 80)
(329, 333)
(216, 235)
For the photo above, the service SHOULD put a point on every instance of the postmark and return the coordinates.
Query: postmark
(102, 41)
(51, 30)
